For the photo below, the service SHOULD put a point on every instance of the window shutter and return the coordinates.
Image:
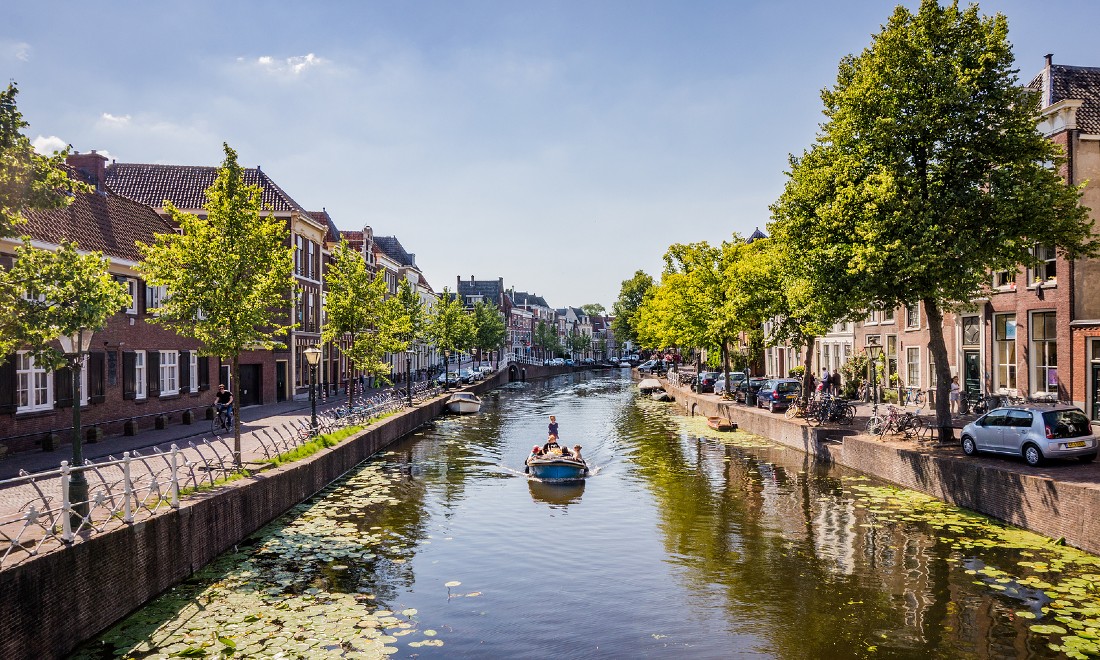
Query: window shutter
(204, 373)
(96, 372)
(129, 375)
(140, 293)
(185, 371)
(152, 379)
(63, 387)
(8, 383)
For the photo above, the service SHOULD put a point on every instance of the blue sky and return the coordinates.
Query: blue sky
(559, 145)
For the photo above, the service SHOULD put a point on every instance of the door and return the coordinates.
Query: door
(988, 431)
(972, 374)
(1096, 390)
(1017, 429)
(280, 381)
(251, 394)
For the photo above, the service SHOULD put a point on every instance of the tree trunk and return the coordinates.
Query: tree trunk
(235, 376)
(938, 349)
(807, 372)
(726, 363)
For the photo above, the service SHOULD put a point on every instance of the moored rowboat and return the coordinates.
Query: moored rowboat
(719, 424)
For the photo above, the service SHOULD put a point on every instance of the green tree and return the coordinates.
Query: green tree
(929, 173)
(546, 338)
(594, 309)
(358, 311)
(625, 309)
(451, 329)
(66, 291)
(489, 328)
(228, 275)
(412, 309)
(27, 179)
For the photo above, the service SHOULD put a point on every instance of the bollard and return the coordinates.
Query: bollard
(66, 508)
(175, 477)
(128, 489)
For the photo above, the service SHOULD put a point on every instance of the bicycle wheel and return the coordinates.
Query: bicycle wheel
(913, 426)
(793, 411)
(847, 415)
(218, 425)
(876, 425)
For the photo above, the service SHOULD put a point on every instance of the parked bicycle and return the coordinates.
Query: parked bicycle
(895, 421)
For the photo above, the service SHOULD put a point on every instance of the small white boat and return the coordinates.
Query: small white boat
(464, 402)
(649, 385)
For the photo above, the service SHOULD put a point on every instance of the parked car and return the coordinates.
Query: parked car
(452, 378)
(751, 386)
(485, 370)
(466, 376)
(557, 362)
(1034, 432)
(624, 364)
(777, 393)
(647, 366)
(569, 362)
(705, 382)
(736, 377)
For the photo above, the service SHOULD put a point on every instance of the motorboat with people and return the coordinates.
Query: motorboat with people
(464, 403)
(556, 463)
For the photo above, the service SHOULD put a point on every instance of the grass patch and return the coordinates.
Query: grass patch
(315, 445)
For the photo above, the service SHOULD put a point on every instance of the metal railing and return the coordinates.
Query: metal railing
(138, 486)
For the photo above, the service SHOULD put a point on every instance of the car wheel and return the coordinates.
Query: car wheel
(1033, 456)
(1087, 458)
(771, 407)
(969, 447)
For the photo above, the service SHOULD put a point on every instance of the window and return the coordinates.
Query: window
(891, 353)
(971, 331)
(1046, 272)
(912, 366)
(1004, 351)
(139, 374)
(131, 289)
(1044, 353)
(912, 317)
(888, 316)
(169, 373)
(310, 262)
(932, 380)
(34, 387)
(298, 256)
(194, 372)
(1004, 278)
(154, 295)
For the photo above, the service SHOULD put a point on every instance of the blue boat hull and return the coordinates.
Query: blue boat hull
(560, 469)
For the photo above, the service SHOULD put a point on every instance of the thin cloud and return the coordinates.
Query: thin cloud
(15, 51)
(107, 119)
(290, 66)
(48, 145)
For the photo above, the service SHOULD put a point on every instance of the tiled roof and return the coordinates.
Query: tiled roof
(106, 223)
(1079, 83)
(755, 235)
(524, 299)
(392, 247)
(488, 289)
(185, 185)
(333, 233)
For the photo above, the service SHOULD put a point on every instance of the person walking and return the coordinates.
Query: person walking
(953, 397)
(826, 381)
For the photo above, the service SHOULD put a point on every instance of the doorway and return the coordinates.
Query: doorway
(1096, 390)
(251, 382)
(280, 380)
(972, 373)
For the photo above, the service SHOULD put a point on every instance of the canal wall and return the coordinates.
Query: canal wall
(54, 602)
(1059, 509)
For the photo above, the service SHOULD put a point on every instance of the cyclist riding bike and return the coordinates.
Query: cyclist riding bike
(223, 403)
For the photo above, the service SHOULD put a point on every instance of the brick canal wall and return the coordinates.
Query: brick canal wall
(54, 602)
(1059, 509)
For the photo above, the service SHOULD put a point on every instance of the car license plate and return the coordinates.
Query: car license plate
(1079, 443)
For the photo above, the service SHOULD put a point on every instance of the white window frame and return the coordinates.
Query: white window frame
(1008, 382)
(31, 396)
(1040, 366)
(912, 311)
(140, 377)
(154, 295)
(1004, 279)
(1046, 273)
(193, 372)
(912, 366)
(169, 373)
(132, 289)
(888, 315)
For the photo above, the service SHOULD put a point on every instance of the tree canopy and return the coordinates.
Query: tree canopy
(625, 309)
(451, 329)
(928, 173)
(489, 328)
(594, 309)
(227, 275)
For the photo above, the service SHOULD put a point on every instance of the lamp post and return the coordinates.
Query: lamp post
(75, 345)
(875, 350)
(313, 357)
(446, 376)
(408, 376)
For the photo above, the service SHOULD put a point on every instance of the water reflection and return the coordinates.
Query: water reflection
(558, 494)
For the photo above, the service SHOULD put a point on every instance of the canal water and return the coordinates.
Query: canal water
(683, 542)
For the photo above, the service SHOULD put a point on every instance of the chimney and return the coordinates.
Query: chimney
(91, 167)
(1048, 83)
(471, 278)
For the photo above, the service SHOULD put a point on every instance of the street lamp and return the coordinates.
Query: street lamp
(446, 376)
(313, 357)
(408, 376)
(875, 350)
(75, 345)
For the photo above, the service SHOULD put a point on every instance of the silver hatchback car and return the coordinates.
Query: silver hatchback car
(1034, 432)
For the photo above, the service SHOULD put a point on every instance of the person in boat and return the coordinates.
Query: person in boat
(536, 451)
(551, 445)
(577, 453)
(553, 428)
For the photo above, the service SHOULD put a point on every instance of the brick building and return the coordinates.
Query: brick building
(135, 371)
